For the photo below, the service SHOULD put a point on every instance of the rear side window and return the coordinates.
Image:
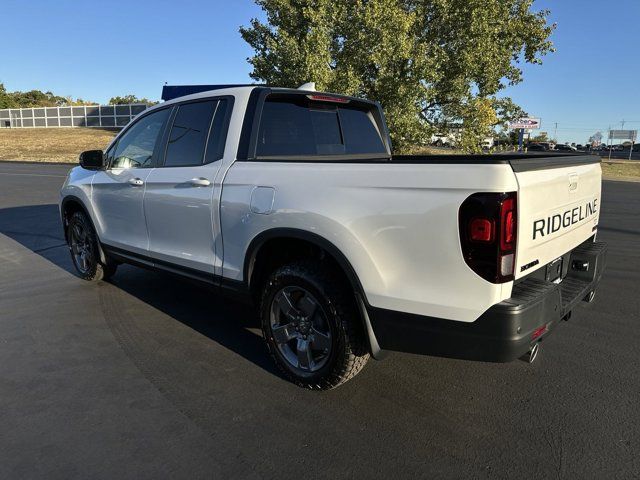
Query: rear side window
(218, 134)
(360, 132)
(189, 134)
(293, 126)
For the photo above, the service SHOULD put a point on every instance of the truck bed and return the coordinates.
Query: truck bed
(520, 162)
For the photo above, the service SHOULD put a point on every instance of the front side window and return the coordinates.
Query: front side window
(135, 148)
(189, 134)
(293, 125)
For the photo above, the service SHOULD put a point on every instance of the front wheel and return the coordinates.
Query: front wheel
(84, 249)
(311, 326)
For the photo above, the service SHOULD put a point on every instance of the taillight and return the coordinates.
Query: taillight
(327, 98)
(488, 234)
(508, 222)
(481, 230)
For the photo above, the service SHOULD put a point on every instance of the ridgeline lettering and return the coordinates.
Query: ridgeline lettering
(552, 224)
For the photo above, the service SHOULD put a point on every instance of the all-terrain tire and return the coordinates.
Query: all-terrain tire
(80, 230)
(349, 346)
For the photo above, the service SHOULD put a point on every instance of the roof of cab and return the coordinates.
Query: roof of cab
(169, 92)
(204, 91)
(176, 93)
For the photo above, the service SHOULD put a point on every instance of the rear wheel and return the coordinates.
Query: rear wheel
(84, 249)
(311, 326)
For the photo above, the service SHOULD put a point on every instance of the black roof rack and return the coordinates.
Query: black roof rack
(169, 92)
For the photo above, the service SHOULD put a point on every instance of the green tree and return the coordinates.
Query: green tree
(6, 100)
(35, 98)
(126, 99)
(71, 102)
(479, 119)
(430, 63)
(540, 137)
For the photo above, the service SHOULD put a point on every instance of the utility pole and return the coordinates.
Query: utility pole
(520, 139)
(555, 133)
(632, 140)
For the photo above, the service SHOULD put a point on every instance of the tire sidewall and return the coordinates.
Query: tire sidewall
(290, 276)
(95, 268)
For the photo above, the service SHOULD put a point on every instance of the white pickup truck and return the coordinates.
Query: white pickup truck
(293, 200)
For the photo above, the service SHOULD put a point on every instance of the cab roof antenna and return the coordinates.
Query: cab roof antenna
(309, 86)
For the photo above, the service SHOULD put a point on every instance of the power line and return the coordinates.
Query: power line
(584, 129)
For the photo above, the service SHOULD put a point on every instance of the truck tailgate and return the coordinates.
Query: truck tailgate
(558, 207)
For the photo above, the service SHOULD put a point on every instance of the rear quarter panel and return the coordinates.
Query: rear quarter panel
(397, 224)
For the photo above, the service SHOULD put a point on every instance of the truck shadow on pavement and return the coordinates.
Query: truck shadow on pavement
(195, 305)
(38, 228)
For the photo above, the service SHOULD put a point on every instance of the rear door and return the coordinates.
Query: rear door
(558, 207)
(118, 191)
(178, 200)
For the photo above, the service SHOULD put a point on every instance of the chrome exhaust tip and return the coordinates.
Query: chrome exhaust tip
(532, 354)
(589, 297)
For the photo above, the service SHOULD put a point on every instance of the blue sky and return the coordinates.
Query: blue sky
(99, 49)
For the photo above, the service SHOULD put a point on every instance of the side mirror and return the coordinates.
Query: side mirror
(92, 160)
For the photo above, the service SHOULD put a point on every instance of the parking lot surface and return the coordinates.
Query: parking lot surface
(151, 377)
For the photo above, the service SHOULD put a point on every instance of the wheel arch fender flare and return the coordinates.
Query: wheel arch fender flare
(64, 204)
(342, 261)
(68, 199)
(299, 234)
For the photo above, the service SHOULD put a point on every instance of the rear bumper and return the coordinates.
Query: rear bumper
(505, 331)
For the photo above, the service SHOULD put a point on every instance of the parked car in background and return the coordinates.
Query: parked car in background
(560, 147)
(537, 147)
(452, 139)
(488, 143)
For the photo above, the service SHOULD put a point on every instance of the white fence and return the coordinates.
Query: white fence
(83, 116)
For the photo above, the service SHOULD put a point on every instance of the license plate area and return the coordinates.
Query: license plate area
(553, 271)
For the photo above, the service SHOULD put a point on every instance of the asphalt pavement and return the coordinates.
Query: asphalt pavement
(151, 377)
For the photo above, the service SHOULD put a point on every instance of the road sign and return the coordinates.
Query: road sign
(527, 123)
(623, 134)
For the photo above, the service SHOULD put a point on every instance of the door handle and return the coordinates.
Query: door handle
(200, 182)
(136, 182)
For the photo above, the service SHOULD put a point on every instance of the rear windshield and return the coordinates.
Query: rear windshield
(295, 125)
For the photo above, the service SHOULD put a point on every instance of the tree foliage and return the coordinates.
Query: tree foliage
(32, 98)
(5, 100)
(71, 102)
(430, 63)
(540, 137)
(127, 99)
(36, 98)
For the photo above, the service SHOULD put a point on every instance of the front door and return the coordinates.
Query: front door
(179, 197)
(118, 191)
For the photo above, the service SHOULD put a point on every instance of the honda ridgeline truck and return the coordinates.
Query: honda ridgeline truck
(293, 200)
